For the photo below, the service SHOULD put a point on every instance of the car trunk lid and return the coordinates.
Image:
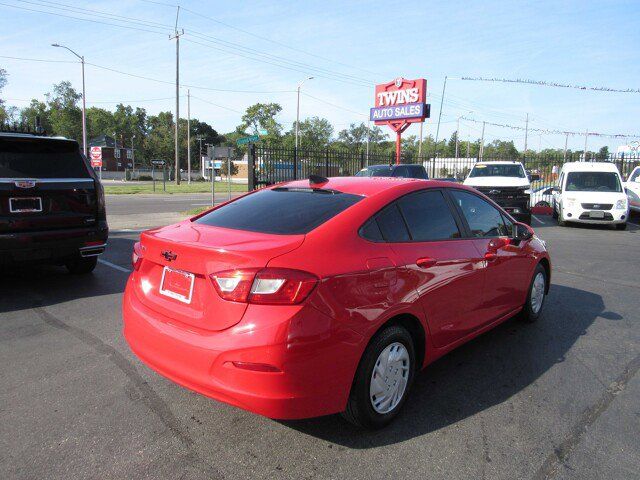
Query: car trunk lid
(187, 254)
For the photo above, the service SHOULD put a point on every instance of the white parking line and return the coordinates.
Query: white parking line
(114, 266)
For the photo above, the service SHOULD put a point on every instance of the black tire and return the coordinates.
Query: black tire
(555, 212)
(542, 203)
(621, 226)
(561, 220)
(529, 313)
(81, 266)
(360, 411)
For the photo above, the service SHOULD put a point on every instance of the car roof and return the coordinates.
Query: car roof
(384, 165)
(499, 162)
(589, 167)
(31, 136)
(364, 186)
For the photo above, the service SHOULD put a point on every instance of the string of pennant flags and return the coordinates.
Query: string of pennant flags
(552, 84)
(552, 132)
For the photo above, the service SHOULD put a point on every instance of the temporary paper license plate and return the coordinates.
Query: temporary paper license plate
(177, 284)
(596, 214)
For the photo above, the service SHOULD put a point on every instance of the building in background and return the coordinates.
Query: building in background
(115, 158)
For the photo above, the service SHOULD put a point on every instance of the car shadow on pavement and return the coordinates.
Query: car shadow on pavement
(485, 372)
(25, 287)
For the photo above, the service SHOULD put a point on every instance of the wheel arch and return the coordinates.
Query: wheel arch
(415, 329)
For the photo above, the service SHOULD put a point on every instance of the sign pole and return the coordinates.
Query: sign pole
(213, 180)
(398, 146)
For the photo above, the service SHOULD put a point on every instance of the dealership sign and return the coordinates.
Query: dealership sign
(95, 154)
(398, 104)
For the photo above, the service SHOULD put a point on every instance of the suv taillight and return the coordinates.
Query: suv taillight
(101, 213)
(267, 286)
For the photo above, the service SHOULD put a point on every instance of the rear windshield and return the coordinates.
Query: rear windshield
(498, 170)
(593, 182)
(29, 158)
(281, 211)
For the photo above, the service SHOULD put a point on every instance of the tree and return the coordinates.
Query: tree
(36, 109)
(356, 136)
(159, 142)
(603, 153)
(4, 116)
(261, 116)
(501, 149)
(64, 114)
(314, 132)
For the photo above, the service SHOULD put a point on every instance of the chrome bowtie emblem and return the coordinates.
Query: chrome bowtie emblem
(169, 255)
(25, 183)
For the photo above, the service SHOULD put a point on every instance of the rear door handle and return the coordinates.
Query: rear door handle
(426, 262)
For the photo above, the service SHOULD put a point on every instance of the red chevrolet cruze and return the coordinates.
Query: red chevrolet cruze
(322, 296)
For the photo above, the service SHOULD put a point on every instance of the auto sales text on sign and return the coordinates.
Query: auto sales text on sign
(400, 99)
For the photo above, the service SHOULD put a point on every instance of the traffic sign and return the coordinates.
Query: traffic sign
(158, 162)
(95, 155)
(250, 139)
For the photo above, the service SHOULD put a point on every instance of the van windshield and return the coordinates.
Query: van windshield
(593, 182)
(498, 170)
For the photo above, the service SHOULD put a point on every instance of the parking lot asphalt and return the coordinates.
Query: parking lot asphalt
(556, 399)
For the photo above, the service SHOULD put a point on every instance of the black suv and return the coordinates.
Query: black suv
(403, 170)
(51, 204)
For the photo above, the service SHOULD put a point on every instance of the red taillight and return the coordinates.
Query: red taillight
(268, 286)
(136, 256)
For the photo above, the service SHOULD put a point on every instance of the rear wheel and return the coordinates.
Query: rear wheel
(561, 221)
(383, 379)
(537, 293)
(81, 265)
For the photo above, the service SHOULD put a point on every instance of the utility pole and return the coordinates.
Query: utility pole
(188, 137)
(420, 142)
(298, 110)
(586, 137)
(177, 36)
(468, 143)
(482, 141)
(526, 135)
(566, 141)
(368, 137)
(444, 86)
(133, 154)
(457, 136)
(84, 102)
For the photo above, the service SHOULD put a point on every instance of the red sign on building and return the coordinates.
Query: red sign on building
(398, 104)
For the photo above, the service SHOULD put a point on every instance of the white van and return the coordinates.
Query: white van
(590, 192)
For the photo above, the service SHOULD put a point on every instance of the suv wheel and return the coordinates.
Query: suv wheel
(81, 265)
(383, 379)
(561, 221)
(537, 293)
(621, 226)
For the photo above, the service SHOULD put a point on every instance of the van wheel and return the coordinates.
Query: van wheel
(555, 212)
(383, 379)
(561, 221)
(621, 226)
(81, 266)
(536, 296)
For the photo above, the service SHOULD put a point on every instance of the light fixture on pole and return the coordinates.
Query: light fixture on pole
(84, 102)
(298, 109)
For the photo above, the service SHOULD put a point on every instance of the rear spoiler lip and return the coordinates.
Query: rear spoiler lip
(47, 180)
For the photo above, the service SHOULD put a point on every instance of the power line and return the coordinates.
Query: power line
(556, 132)
(552, 84)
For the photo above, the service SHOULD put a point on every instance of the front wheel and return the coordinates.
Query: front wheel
(537, 293)
(383, 379)
(621, 226)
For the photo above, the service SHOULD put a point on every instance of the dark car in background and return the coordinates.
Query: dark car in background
(52, 207)
(402, 170)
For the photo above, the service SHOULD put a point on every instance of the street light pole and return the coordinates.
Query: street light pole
(84, 99)
(188, 137)
(177, 36)
(298, 109)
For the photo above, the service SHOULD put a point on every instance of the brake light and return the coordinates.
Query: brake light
(136, 256)
(268, 286)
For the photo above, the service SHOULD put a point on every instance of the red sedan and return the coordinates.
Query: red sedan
(328, 295)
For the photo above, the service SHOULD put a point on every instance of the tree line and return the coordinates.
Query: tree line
(152, 136)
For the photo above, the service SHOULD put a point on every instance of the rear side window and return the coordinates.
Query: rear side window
(41, 158)
(428, 216)
(483, 218)
(392, 225)
(401, 171)
(280, 211)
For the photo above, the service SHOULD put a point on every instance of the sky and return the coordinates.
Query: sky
(234, 54)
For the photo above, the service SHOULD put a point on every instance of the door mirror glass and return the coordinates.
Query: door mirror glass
(522, 232)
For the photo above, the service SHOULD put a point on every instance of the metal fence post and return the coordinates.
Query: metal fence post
(295, 163)
(251, 167)
(326, 162)
(361, 160)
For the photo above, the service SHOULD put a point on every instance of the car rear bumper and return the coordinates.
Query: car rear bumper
(316, 360)
(52, 245)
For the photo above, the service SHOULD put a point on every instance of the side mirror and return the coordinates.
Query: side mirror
(522, 232)
(534, 177)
